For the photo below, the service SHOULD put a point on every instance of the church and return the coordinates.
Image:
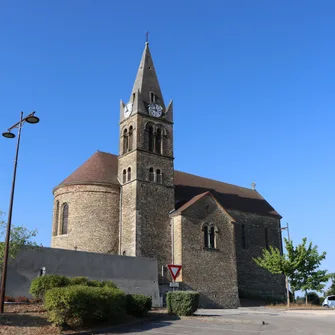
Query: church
(136, 204)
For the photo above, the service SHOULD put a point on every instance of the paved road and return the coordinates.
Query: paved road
(249, 321)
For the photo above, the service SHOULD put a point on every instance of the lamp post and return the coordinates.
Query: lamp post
(31, 118)
(286, 277)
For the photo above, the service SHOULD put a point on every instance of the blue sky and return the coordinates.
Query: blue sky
(252, 84)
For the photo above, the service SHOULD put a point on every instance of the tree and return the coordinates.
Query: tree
(19, 237)
(300, 264)
(331, 290)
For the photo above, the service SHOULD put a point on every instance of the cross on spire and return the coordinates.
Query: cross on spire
(147, 37)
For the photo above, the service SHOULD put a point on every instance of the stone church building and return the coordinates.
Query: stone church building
(137, 204)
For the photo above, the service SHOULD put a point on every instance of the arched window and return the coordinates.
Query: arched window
(151, 139)
(55, 230)
(125, 141)
(65, 218)
(152, 97)
(159, 141)
(130, 139)
(211, 237)
(205, 232)
(151, 174)
(129, 174)
(158, 176)
(124, 176)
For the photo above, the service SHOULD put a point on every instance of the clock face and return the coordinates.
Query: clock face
(155, 110)
(128, 109)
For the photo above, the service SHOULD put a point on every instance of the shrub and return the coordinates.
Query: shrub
(22, 299)
(322, 299)
(313, 298)
(9, 299)
(138, 304)
(182, 302)
(94, 283)
(83, 305)
(40, 285)
(78, 281)
(108, 283)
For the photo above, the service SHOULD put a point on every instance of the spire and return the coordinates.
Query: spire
(146, 81)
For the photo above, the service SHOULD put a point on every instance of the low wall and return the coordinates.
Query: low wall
(131, 274)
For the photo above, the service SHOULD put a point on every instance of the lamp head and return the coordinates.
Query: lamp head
(32, 119)
(8, 134)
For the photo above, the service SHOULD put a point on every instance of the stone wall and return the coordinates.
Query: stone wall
(131, 274)
(93, 218)
(211, 271)
(252, 279)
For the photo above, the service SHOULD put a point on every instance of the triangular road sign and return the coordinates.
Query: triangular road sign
(174, 270)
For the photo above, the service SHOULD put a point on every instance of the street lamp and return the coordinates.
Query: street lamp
(286, 277)
(31, 118)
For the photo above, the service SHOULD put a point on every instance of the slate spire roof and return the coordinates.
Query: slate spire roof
(146, 79)
(101, 168)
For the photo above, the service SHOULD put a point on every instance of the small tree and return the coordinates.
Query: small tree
(19, 237)
(300, 264)
(331, 290)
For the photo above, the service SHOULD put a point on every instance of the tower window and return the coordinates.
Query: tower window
(65, 218)
(55, 230)
(129, 174)
(124, 177)
(152, 97)
(158, 176)
(130, 139)
(125, 141)
(133, 97)
(205, 231)
(151, 139)
(243, 237)
(212, 237)
(159, 141)
(151, 174)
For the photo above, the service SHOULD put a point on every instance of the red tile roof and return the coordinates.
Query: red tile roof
(101, 167)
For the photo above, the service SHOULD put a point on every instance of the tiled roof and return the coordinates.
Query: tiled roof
(101, 167)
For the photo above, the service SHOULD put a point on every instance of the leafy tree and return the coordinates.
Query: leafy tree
(300, 264)
(19, 237)
(331, 290)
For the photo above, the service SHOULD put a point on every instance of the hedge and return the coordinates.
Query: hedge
(40, 285)
(138, 304)
(182, 302)
(81, 305)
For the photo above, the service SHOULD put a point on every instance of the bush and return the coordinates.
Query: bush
(182, 302)
(40, 285)
(9, 299)
(22, 299)
(83, 305)
(313, 298)
(108, 283)
(138, 304)
(322, 299)
(78, 281)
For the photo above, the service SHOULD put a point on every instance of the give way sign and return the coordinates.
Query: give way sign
(174, 270)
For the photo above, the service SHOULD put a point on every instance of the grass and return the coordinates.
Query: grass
(294, 306)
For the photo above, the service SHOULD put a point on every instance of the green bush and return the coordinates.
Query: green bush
(40, 285)
(83, 305)
(182, 302)
(322, 299)
(138, 304)
(108, 283)
(78, 281)
(313, 298)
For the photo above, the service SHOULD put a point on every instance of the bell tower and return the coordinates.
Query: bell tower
(145, 168)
